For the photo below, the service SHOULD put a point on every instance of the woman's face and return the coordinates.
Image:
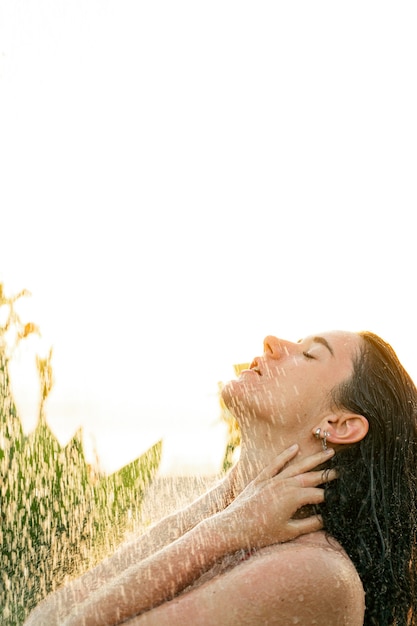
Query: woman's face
(291, 383)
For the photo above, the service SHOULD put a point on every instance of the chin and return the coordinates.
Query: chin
(228, 392)
(235, 395)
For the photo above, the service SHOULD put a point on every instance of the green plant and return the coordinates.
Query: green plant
(58, 515)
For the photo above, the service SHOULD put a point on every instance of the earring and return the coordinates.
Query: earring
(323, 439)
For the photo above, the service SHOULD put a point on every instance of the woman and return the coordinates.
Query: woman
(251, 551)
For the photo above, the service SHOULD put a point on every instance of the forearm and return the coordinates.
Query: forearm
(163, 533)
(60, 604)
(156, 579)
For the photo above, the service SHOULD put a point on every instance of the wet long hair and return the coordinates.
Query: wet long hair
(371, 509)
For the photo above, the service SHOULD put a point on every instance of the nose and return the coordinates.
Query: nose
(276, 348)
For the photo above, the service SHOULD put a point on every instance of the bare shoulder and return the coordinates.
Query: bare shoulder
(307, 581)
(313, 579)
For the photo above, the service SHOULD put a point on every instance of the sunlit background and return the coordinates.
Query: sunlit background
(179, 179)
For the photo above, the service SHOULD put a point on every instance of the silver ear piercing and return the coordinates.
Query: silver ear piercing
(323, 439)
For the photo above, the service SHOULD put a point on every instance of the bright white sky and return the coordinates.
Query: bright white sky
(179, 179)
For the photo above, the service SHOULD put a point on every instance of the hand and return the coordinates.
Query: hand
(263, 513)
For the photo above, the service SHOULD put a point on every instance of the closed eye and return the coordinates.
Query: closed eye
(308, 356)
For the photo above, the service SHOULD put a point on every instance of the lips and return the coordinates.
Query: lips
(254, 366)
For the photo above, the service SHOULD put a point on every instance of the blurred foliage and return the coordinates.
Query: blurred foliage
(59, 515)
(233, 430)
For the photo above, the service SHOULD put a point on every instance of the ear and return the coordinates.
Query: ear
(345, 428)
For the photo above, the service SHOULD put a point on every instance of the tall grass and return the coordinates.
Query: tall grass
(58, 514)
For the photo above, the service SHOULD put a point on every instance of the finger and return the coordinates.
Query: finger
(306, 525)
(308, 463)
(278, 463)
(308, 495)
(298, 497)
(315, 478)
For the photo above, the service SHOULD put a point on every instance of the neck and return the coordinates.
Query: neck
(260, 448)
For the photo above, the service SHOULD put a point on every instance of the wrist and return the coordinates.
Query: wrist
(223, 534)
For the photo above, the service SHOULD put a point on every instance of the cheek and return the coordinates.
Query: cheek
(309, 394)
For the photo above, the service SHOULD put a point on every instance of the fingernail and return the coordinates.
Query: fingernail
(293, 447)
(329, 452)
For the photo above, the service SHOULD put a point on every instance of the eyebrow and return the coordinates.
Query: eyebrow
(325, 343)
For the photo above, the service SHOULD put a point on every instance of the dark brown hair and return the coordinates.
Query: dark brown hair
(371, 509)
